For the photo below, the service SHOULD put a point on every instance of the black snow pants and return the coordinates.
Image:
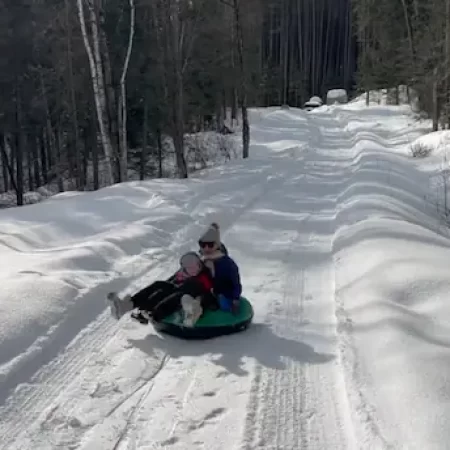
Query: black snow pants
(162, 298)
(147, 298)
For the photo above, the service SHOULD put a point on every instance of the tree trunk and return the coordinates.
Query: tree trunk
(4, 149)
(447, 62)
(144, 150)
(19, 148)
(233, 91)
(111, 103)
(175, 52)
(409, 30)
(29, 163)
(160, 152)
(80, 181)
(52, 144)
(35, 147)
(243, 84)
(94, 147)
(59, 163)
(5, 165)
(435, 97)
(122, 105)
(44, 158)
(96, 68)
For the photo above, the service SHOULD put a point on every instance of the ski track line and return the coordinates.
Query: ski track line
(295, 407)
(302, 406)
(28, 401)
(180, 391)
(123, 421)
(274, 428)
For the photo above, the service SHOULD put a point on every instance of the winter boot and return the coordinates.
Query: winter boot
(119, 306)
(192, 310)
(141, 316)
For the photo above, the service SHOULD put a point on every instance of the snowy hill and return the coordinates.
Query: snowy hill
(342, 251)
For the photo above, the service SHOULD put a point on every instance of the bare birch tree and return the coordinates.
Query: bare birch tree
(96, 68)
(122, 104)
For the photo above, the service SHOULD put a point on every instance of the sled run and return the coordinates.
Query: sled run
(342, 251)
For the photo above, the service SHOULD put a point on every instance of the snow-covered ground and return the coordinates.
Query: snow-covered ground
(342, 251)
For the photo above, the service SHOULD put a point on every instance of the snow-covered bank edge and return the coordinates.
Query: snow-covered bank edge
(389, 250)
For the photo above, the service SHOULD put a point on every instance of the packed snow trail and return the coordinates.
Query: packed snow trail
(279, 385)
(298, 378)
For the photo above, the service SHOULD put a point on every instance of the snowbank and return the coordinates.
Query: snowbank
(316, 100)
(435, 143)
(337, 96)
(392, 284)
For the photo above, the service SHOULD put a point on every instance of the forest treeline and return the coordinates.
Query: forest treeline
(92, 90)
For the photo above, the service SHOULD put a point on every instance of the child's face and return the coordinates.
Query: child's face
(191, 264)
(192, 268)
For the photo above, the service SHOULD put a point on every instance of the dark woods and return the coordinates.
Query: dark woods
(95, 92)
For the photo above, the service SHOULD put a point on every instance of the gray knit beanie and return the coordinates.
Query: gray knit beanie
(212, 234)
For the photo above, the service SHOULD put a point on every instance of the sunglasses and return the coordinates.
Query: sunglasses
(206, 244)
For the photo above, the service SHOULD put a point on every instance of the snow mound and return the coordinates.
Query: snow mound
(431, 144)
(337, 96)
(316, 100)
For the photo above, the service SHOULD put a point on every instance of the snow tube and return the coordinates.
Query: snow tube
(211, 324)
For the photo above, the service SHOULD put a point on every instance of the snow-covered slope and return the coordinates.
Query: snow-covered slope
(341, 251)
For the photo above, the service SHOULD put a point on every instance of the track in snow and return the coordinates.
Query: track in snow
(304, 405)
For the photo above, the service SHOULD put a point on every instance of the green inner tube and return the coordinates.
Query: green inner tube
(212, 319)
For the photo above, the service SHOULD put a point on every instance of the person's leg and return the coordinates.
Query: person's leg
(167, 306)
(209, 302)
(119, 306)
(192, 287)
(150, 296)
(192, 309)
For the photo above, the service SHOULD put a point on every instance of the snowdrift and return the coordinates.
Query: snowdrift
(392, 283)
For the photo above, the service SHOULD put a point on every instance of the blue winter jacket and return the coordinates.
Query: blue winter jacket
(227, 280)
